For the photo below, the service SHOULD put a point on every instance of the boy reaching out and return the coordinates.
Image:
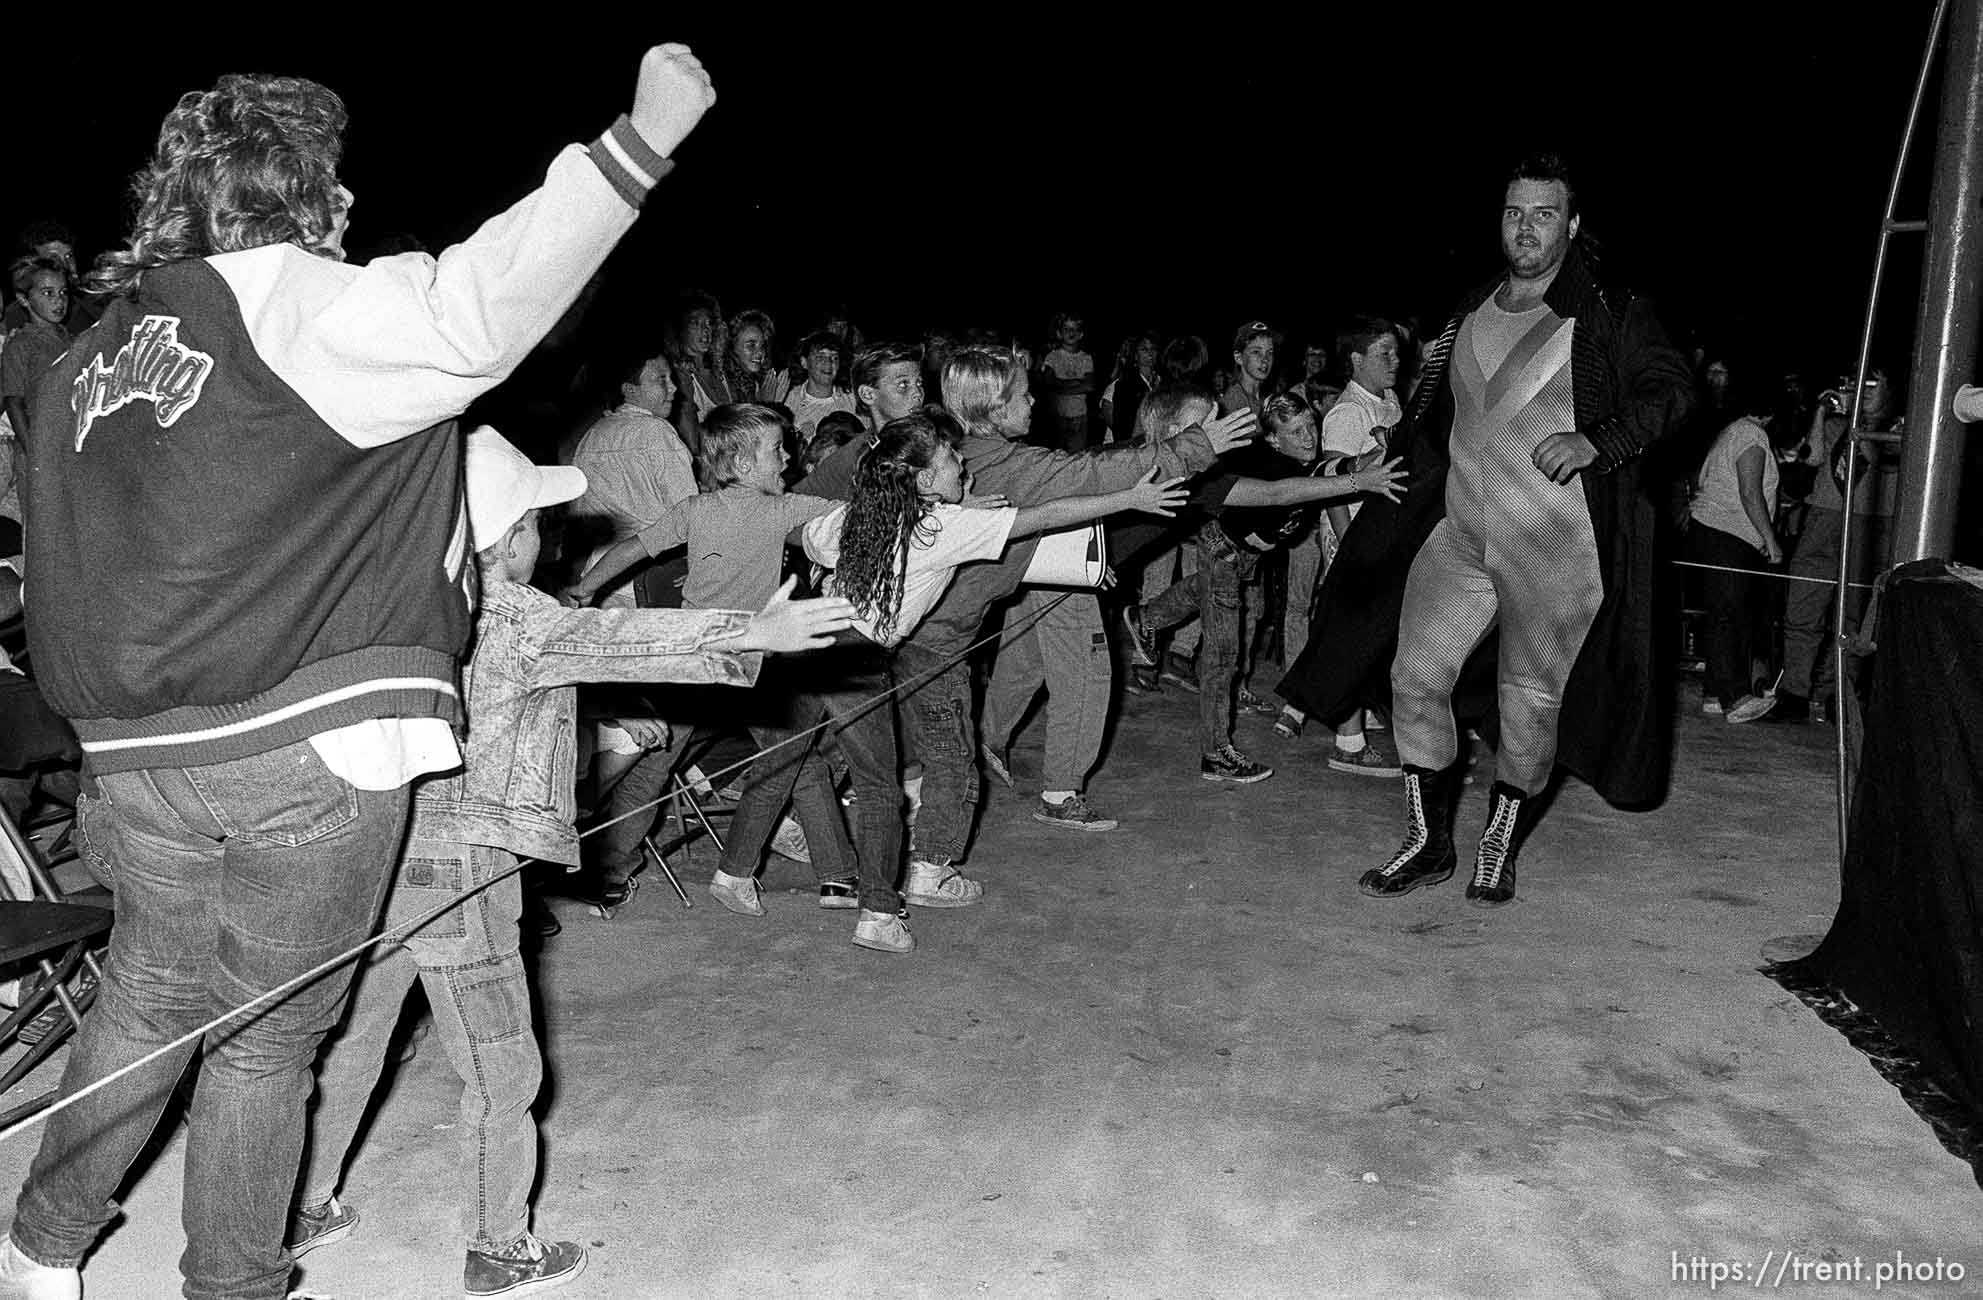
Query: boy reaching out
(512, 798)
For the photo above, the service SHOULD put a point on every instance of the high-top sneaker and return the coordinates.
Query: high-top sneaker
(1493, 880)
(1427, 856)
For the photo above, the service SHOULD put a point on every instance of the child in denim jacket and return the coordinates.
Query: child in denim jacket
(512, 798)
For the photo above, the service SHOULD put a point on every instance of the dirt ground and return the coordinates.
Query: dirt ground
(1188, 1059)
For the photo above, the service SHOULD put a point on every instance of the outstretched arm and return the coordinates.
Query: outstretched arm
(1150, 495)
(388, 349)
(1382, 481)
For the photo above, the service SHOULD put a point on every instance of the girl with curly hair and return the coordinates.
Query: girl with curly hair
(908, 524)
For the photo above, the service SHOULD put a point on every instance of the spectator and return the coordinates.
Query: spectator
(254, 737)
(1067, 377)
(1357, 429)
(820, 394)
(1253, 501)
(1732, 519)
(747, 367)
(1135, 375)
(34, 347)
(511, 799)
(1253, 348)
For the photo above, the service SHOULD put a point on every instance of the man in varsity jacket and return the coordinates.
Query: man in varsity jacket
(250, 578)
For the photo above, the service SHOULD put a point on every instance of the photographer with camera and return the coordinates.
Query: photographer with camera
(1809, 610)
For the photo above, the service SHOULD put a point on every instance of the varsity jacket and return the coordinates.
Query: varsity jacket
(514, 789)
(245, 482)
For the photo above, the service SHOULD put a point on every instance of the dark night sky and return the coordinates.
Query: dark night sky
(946, 171)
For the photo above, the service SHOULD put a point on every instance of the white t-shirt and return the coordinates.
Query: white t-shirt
(1349, 428)
(949, 536)
(808, 411)
(1718, 492)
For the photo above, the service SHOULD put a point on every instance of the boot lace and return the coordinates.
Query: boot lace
(1418, 834)
(1496, 843)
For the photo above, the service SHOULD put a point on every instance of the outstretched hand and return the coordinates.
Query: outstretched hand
(1232, 430)
(672, 95)
(1154, 497)
(786, 625)
(1383, 481)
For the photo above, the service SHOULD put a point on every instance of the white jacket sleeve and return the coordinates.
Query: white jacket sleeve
(384, 350)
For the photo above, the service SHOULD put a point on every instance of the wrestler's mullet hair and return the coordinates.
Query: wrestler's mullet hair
(977, 383)
(885, 513)
(251, 162)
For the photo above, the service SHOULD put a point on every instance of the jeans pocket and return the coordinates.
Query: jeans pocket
(88, 848)
(494, 1000)
(423, 883)
(283, 798)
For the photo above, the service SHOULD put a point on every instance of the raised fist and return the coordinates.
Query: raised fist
(673, 94)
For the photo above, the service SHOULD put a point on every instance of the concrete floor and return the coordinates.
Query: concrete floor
(1188, 1059)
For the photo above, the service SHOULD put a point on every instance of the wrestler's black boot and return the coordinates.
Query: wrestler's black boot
(1427, 856)
(1493, 880)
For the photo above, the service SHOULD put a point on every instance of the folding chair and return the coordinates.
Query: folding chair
(54, 938)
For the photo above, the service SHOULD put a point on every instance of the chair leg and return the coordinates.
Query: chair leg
(668, 871)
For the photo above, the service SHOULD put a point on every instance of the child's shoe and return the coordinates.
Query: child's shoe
(526, 1266)
(938, 884)
(738, 893)
(883, 932)
(322, 1226)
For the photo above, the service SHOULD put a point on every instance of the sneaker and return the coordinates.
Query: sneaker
(1368, 761)
(790, 841)
(1181, 673)
(1711, 707)
(1228, 764)
(738, 893)
(1141, 681)
(883, 932)
(839, 895)
(1252, 703)
(525, 1267)
(1824, 710)
(1751, 707)
(1137, 636)
(327, 1223)
(1288, 725)
(995, 764)
(938, 884)
(21, 1276)
(1073, 813)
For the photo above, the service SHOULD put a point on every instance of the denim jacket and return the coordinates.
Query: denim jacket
(514, 789)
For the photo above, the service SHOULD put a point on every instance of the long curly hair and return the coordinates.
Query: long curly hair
(886, 512)
(249, 163)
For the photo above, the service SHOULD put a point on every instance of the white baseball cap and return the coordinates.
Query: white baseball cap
(504, 485)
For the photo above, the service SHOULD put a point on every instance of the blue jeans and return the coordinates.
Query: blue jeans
(937, 711)
(1213, 591)
(850, 678)
(230, 879)
(467, 961)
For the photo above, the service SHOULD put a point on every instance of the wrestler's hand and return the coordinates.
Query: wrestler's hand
(671, 97)
(1561, 455)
